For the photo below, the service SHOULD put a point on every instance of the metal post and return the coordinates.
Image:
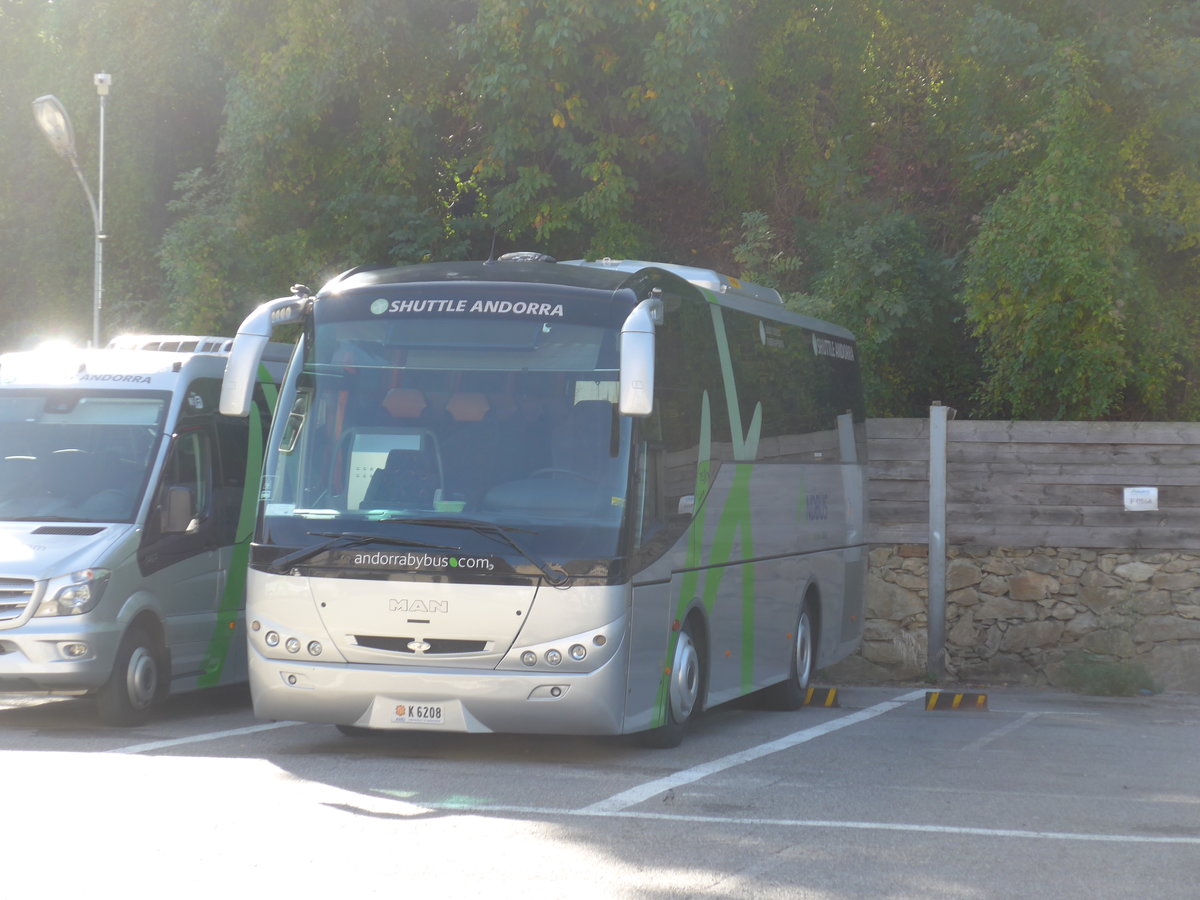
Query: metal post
(55, 124)
(102, 81)
(936, 650)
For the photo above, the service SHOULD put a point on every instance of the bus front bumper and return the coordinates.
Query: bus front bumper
(441, 699)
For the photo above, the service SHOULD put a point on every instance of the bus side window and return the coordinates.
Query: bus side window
(656, 523)
(233, 433)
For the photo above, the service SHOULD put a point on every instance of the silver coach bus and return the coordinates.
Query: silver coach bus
(530, 496)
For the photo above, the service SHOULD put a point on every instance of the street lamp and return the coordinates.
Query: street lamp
(52, 119)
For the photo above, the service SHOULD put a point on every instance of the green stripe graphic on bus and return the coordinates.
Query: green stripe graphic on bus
(734, 521)
(233, 596)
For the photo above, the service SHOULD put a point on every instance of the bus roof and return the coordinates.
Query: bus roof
(145, 362)
(604, 275)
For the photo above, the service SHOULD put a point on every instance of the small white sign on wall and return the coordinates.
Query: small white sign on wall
(1141, 499)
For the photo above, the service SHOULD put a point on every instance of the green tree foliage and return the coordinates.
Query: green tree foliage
(162, 115)
(1073, 281)
(330, 155)
(580, 103)
(1002, 199)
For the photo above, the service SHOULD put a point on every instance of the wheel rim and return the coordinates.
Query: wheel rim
(685, 678)
(141, 678)
(803, 657)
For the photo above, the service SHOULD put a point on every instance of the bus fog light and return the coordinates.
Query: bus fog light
(599, 640)
(529, 658)
(293, 645)
(553, 657)
(74, 650)
(577, 652)
(272, 638)
(315, 648)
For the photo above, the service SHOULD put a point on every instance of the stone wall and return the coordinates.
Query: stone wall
(1037, 616)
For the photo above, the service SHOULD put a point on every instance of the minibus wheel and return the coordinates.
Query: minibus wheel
(138, 680)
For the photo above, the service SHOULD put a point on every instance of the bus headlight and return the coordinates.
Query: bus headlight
(74, 594)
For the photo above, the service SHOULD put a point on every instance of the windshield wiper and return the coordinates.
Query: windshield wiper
(556, 577)
(347, 539)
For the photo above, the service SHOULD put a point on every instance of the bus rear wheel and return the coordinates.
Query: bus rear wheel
(685, 690)
(137, 682)
(790, 694)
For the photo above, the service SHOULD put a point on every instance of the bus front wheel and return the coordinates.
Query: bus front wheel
(685, 689)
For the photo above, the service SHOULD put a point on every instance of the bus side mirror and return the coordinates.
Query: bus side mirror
(241, 369)
(637, 357)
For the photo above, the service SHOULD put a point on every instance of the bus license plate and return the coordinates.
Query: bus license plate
(418, 714)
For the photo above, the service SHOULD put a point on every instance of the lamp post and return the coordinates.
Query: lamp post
(52, 119)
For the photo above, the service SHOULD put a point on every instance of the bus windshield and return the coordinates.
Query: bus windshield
(442, 423)
(71, 455)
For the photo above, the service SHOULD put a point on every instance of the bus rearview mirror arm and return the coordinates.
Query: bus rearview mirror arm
(637, 356)
(251, 339)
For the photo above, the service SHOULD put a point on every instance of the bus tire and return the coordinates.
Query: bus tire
(138, 680)
(789, 695)
(685, 690)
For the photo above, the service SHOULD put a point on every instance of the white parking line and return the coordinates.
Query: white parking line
(644, 792)
(199, 738)
(825, 823)
(1000, 732)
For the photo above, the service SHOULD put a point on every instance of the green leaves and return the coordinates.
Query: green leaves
(1064, 281)
(574, 98)
(1001, 198)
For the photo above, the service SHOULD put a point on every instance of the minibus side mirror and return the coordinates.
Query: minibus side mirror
(178, 509)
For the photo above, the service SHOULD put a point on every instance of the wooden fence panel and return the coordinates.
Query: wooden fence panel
(1038, 484)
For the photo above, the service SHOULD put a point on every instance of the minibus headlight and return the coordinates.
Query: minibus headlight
(74, 594)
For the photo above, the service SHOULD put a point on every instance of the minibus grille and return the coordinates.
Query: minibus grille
(15, 594)
(423, 646)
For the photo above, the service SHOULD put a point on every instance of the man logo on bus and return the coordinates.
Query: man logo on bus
(424, 606)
